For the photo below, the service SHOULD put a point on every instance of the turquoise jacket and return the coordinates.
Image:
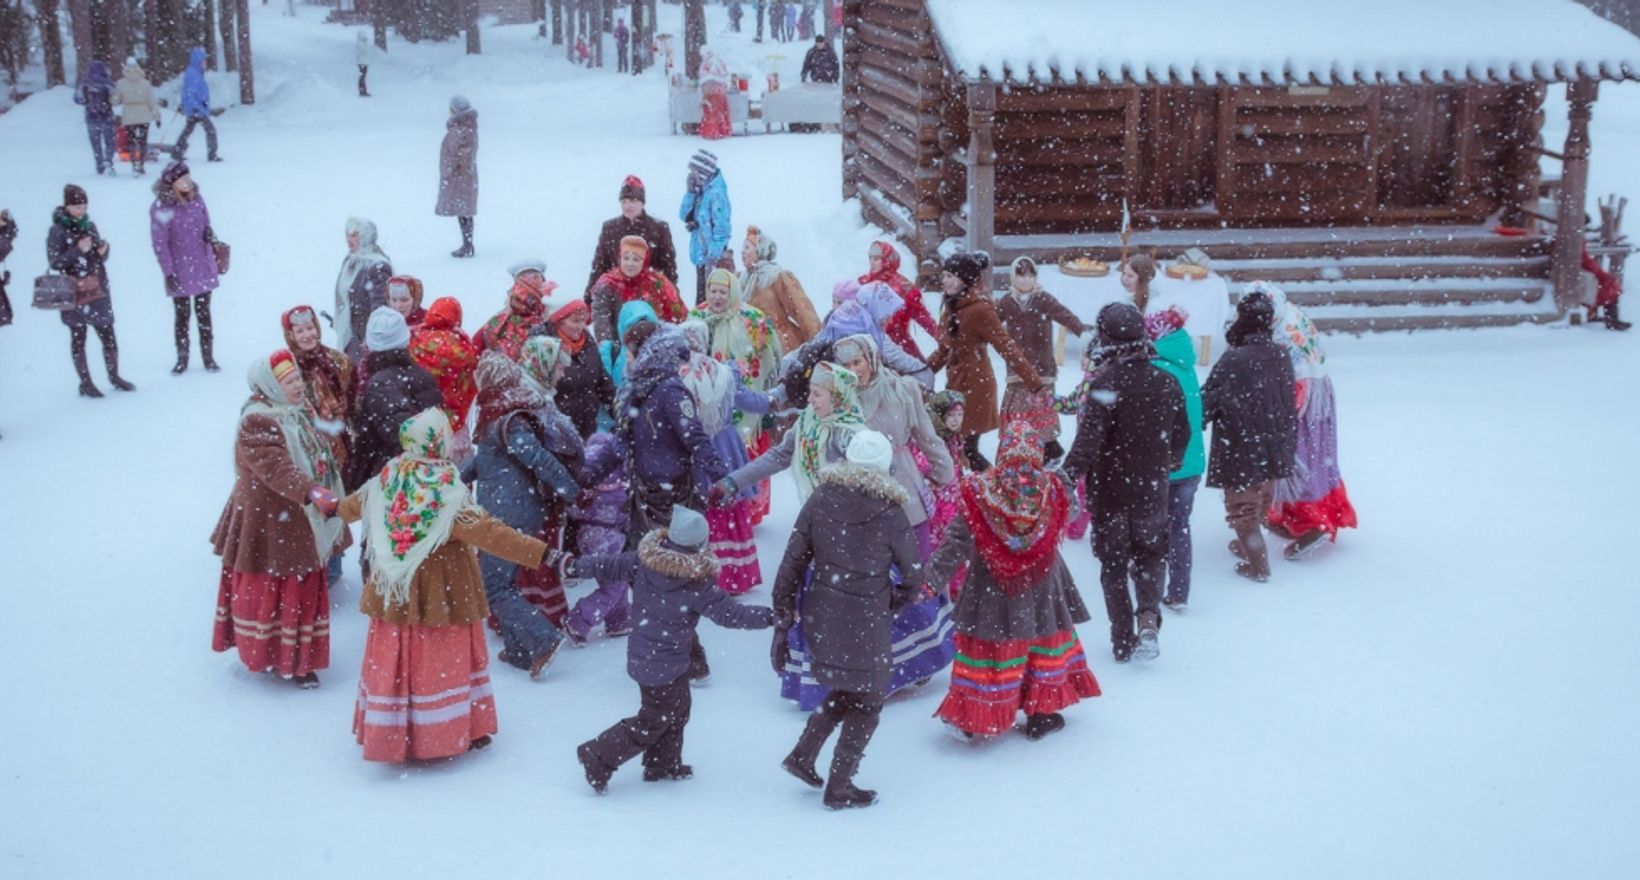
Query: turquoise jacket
(1177, 355)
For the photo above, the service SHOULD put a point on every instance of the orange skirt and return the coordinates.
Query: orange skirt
(424, 691)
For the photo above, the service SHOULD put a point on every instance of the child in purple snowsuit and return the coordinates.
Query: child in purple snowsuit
(603, 517)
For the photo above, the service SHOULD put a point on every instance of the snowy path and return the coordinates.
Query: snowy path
(1448, 692)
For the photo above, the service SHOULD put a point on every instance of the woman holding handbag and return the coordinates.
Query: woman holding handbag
(180, 226)
(74, 248)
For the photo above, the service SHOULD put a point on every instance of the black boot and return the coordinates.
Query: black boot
(596, 772)
(466, 249)
(1039, 726)
(202, 316)
(841, 794)
(1613, 322)
(800, 763)
(976, 459)
(179, 334)
(76, 337)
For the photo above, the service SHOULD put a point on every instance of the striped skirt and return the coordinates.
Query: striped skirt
(279, 624)
(542, 587)
(424, 691)
(730, 531)
(992, 681)
(922, 646)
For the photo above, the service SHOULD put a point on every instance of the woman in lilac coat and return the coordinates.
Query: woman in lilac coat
(180, 225)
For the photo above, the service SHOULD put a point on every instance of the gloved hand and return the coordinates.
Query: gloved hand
(691, 225)
(173, 285)
(324, 500)
(779, 651)
(558, 561)
(721, 493)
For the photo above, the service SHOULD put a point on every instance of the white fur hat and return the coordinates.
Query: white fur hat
(871, 449)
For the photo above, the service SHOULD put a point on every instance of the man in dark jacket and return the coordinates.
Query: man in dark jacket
(852, 531)
(396, 390)
(820, 64)
(1248, 399)
(674, 583)
(658, 431)
(634, 220)
(1131, 432)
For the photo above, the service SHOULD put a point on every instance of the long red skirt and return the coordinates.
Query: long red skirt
(424, 691)
(992, 681)
(714, 114)
(730, 531)
(279, 624)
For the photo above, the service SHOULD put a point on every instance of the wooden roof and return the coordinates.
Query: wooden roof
(1281, 42)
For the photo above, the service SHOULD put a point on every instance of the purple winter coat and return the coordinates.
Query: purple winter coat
(178, 231)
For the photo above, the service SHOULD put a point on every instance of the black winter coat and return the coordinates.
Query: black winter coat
(820, 65)
(671, 590)
(584, 389)
(851, 530)
(1131, 432)
(663, 257)
(1248, 399)
(63, 256)
(396, 390)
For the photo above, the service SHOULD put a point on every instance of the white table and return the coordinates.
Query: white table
(1206, 304)
(816, 103)
(684, 108)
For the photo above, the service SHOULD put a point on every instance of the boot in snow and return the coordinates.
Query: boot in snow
(181, 365)
(1613, 322)
(800, 763)
(1302, 547)
(841, 793)
(597, 774)
(1039, 726)
(1147, 649)
(88, 389)
(670, 774)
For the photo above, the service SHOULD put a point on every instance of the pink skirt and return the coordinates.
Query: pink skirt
(424, 691)
(279, 623)
(730, 531)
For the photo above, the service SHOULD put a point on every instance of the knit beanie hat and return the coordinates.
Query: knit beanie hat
(845, 291)
(531, 264)
(173, 173)
(458, 104)
(703, 163)
(1120, 322)
(74, 195)
(639, 333)
(967, 265)
(871, 449)
(282, 363)
(687, 529)
(632, 188)
(386, 331)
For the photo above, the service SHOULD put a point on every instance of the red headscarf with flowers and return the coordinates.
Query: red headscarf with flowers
(1016, 510)
(442, 349)
(526, 309)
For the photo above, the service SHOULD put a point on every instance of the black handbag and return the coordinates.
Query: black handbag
(55, 293)
(5, 301)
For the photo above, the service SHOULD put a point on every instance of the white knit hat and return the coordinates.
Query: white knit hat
(688, 528)
(532, 264)
(871, 449)
(386, 331)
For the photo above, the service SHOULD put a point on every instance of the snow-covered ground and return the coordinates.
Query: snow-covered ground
(1450, 691)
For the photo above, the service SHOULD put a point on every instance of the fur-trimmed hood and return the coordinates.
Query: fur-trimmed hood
(679, 566)
(868, 481)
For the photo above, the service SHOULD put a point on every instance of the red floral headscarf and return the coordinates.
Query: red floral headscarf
(1016, 510)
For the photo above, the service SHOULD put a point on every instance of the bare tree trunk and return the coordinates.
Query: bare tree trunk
(119, 33)
(470, 9)
(694, 36)
(247, 70)
(378, 24)
(596, 32)
(230, 58)
(79, 27)
(538, 13)
(830, 23)
(557, 22)
(51, 41)
(210, 39)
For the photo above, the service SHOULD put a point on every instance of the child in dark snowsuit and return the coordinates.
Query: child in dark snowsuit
(674, 582)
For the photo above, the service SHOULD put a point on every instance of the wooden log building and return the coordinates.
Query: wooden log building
(1362, 159)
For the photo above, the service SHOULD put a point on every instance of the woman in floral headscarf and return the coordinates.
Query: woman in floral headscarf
(1016, 618)
(275, 534)
(440, 347)
(424, 689)
(544, 361)
(719, 397)
(819, 438)
(744, 338)
(327, 377)
(632, 280)
(526, 311)
(885, 267)
(1312, 503)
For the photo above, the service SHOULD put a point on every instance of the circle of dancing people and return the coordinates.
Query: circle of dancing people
(618, 436)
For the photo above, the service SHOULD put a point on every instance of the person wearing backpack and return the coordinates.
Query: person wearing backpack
(96, 94)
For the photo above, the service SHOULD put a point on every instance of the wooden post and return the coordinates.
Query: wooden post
(982, 171)
(694, 36)
(247, 70)
(851, 101)
(1566, 268)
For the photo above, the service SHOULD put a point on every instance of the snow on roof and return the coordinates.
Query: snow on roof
(1282, 42)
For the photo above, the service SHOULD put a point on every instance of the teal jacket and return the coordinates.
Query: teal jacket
(1177, 355)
